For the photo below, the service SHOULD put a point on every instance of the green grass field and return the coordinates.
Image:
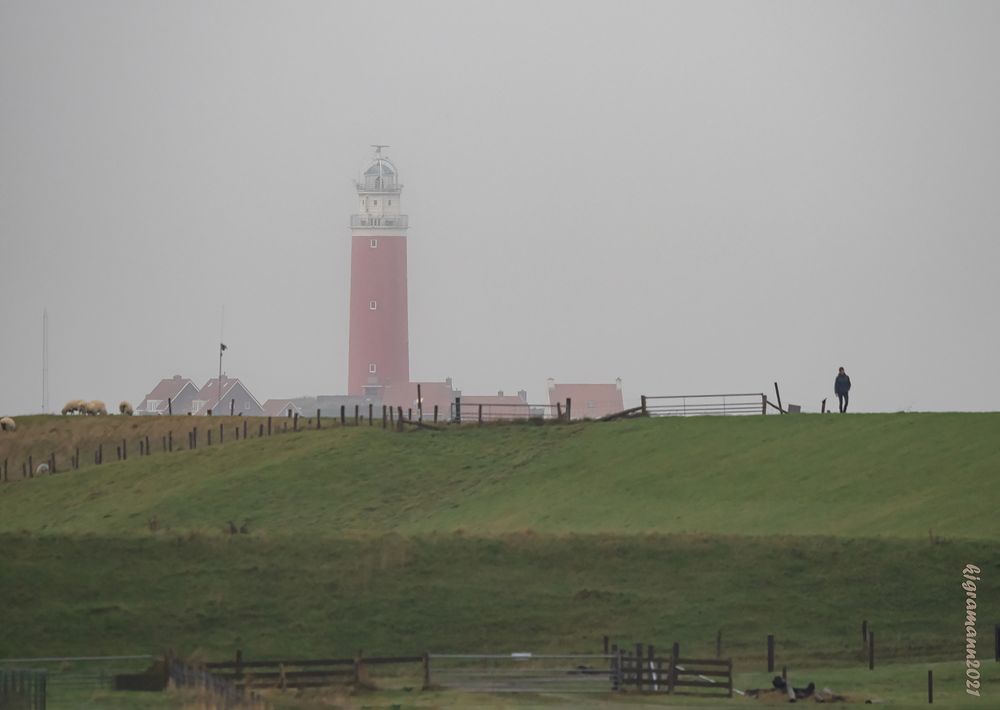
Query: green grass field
(522, 537)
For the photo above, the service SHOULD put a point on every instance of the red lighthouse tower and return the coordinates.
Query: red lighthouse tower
(379, 357)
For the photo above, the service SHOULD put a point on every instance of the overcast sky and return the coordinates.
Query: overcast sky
(693, 196)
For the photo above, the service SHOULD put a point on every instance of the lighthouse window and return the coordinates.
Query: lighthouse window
(373, 244)
(390, 203)
(372, 305)
(375, 202)
(371, 368)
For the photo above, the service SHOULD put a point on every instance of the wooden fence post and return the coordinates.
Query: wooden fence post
(343, 416)
(864, 632)
(996, 642)
(295, 422)
(480, 414)
(778, 395)
(170, 407)
(558, 411)
(384, 417)
(371, 411)
(392, 417)
(606, 644)
(269, 426)
(435, 414)
(260, 430)
(569, 409)
(420, 404)
(357, 414)
(638, 667)
(650, 667)
(232, 406)
(675, 654)
(239, 665)
(400, 422)
(170, 440)
(357, 667)
(222, 433)
(458, 410)
(427, 671)
(409, 414)
(930, 687)
(763, 403)
(210, 436)
(147, 445)
(644, 412)
(770, 653)
(871, 650)
(118, 451)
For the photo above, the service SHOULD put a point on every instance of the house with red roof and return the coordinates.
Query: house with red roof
(180, 391)
(588, 401)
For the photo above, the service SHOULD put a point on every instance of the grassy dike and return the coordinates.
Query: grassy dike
(505, 538)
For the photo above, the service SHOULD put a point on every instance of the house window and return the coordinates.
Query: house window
(375, 202)
(372, 305)
(371, 368)
(373, 244)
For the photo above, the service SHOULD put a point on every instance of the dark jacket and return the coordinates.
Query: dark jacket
(842, 384)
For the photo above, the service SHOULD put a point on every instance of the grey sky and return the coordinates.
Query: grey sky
(695, 197)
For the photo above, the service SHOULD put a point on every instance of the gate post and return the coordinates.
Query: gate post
(638, 667)
(427, 670)
(672, 675)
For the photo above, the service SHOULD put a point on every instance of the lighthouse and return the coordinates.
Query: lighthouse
(379, 356)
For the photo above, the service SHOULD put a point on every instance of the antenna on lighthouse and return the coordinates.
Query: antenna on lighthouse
(45, 360)
(378, 148)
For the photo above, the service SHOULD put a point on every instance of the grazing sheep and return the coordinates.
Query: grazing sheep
(41, 469)
(73, 406)
(95, 407)
(125, 408)
(7, 424)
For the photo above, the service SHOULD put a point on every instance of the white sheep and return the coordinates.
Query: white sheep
(125, 408)
(7, 424)
(73, 406)
(41, 469)
(95, 407)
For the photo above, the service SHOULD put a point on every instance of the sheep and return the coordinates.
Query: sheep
(41, 469)
(7, 424)
(73, 406)
(125, 408)
(95, 407)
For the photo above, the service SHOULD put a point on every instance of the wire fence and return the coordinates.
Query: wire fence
(69, 679)
(521, 673)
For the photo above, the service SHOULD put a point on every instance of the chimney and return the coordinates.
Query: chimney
(500, 393)
(551, 383)
(523, 394)
(618, 384)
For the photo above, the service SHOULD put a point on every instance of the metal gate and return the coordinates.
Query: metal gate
(23, 689)
(521, 673)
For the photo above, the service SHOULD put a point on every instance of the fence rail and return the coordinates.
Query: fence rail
(463, 410)
(704, 404)
(302, 673)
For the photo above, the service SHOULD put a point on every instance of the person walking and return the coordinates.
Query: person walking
(841, 386)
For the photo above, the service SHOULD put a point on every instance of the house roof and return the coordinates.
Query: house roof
(211, 391)
(167, 389)
(279, 407)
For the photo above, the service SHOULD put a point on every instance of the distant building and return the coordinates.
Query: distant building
(281, 408)
(181, 392)
(234, 397)
(498, 406)
(589, 401)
